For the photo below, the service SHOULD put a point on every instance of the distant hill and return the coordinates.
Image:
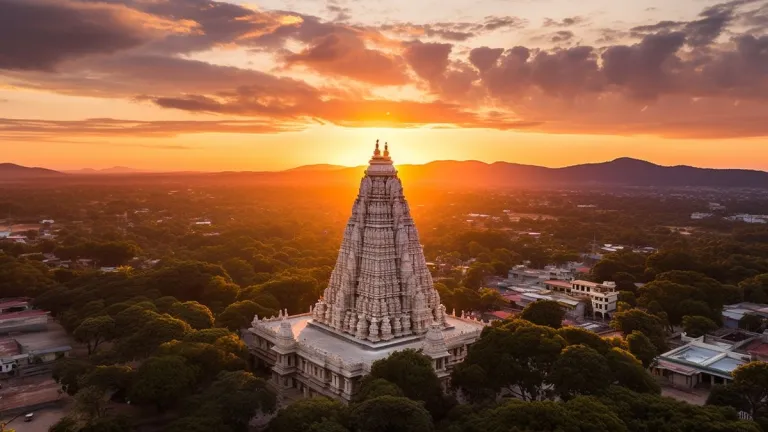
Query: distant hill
(9, 171)
(318, 167)
(113, 170)
(462, 174)
(452, 174)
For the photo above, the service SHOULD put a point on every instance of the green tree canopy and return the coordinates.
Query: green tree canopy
(198, 316)
(94, 331)
(239, 315)
(515, 357)
(544, 312)
(647, 324)
(163, 381)
(413, 373)
(642, 348)
(697, 326)
(751, 380)
(304, 414)
(580, 370)
(390, 414)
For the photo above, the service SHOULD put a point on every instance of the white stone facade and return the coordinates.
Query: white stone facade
(380, 299)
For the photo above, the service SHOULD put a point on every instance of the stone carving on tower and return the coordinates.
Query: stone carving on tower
(380, 288)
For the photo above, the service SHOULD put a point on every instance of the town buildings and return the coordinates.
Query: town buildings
(380, 299)
(578, 298)
(734, 313)
(710, 359)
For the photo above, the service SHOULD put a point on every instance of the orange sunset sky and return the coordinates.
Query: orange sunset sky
(268, 84)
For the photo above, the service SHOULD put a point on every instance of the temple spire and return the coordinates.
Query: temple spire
(377, 152)
(386, 150)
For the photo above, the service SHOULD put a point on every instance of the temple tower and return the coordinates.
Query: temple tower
(380, 289)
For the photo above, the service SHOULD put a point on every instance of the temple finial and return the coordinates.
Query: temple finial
(377, 152)
(386, 150)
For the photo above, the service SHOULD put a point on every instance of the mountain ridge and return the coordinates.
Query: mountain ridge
(618, 172)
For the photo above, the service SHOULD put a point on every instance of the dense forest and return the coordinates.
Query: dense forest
(194, 264)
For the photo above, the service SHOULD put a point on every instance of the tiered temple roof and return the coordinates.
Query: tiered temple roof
(380, 289)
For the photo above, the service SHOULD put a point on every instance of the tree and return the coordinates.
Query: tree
(580, 370)
(649, 412)
(515, 357)
(728, 395)
(91, 403)
(751, 322)
(209, 359)
(580, 414)
(629, 372)
(751, 380)
(94, 331)
(239, 315)
(112, 377)
(67, 372)
(163, 381)
(697, 326)
(389, 413)
(164, 303)
(303, 415)
(219, 292)
(374, 387)
(240, 271)
(108, 424)
(235, 397)
(154, 333)
(413, 373)
(476, 274)
(755, 288)
(642, 348)
(491, 300)
(580, 336)
(544, 312)
(208, 336)
(193, 313)
(647, 324)
(132, 319)
(295, 293)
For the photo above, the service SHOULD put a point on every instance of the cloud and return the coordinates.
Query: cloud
(428, 60)
(562, 36)
(483, 58)
(344, 53)
(41, 34)
(565, 22)
(454, 31)
(666, 78)
(106, 127)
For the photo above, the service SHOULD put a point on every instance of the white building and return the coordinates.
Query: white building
(380, 299)
(700, 215)
(523, 275)
(716, 207)
(748, 218)
(604, 296)
(709, 359)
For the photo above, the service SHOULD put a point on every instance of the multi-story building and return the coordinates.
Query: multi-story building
(380, 299)
(523, 275)
(604, 296)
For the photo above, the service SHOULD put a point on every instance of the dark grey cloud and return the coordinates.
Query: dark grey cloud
(428, 60)
(562, 36)
(40, 34)
(483, 58)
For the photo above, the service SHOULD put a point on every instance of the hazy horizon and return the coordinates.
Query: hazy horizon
(129, 170)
